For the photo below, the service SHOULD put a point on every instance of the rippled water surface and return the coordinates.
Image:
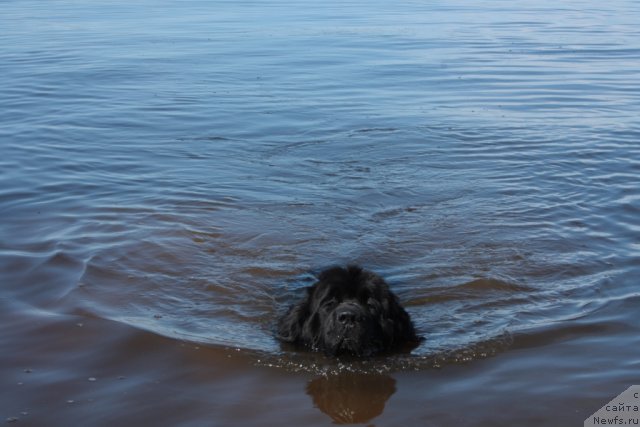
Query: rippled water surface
(174, 172)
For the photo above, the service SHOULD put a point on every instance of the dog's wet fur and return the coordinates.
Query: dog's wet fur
(348, 311)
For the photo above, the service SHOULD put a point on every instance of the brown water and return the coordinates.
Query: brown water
(173, 173)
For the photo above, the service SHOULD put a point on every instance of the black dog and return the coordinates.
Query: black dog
(348, 311)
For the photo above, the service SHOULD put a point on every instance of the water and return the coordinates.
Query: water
(173, 172)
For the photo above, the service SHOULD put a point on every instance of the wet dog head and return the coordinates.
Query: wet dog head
(348, 311)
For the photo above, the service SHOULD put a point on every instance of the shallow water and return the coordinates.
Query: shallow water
(173, 173)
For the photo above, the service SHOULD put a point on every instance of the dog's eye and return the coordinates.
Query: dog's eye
(329, 303)
(372, 304)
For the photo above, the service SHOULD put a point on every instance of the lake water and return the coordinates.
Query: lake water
(172, 173)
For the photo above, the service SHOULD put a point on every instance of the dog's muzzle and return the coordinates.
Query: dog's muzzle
(349, 331)
(349, 314)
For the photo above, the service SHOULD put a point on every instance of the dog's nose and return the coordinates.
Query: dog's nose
(347, 315)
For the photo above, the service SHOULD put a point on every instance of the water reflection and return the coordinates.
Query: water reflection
(351, 397)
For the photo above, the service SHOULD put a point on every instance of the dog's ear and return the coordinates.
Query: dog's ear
(290, 325)
(398, 326)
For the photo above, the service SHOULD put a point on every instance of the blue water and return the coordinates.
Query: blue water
(173, 172)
